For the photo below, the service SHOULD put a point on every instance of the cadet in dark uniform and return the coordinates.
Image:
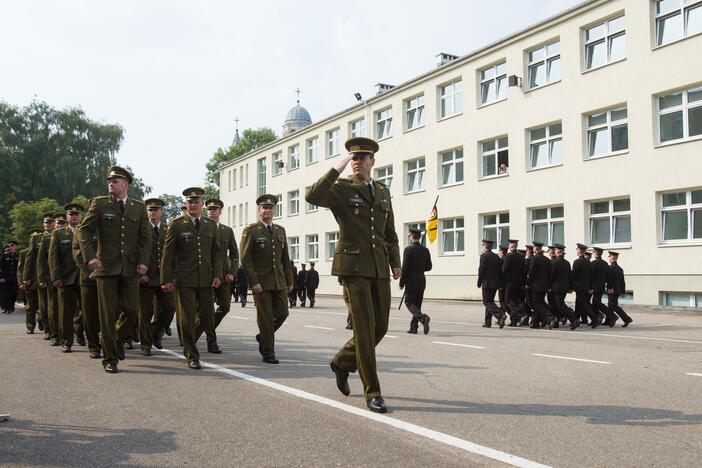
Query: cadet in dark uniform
(550, 296)
(513, 282)
(230, 263)
(265, 257)
(88, 298)
(122, 255)
(582, 277)
(539, 281)
(29, 273)
(300, 278)
(599, 281)
(65, 278)
(501, 254)
(242, 285)
(562, 284)
(8, 277)
(50, 295)
(616, 287)
(528, 303)
(489, 279)
(416, 259)
(367, 245)
(192, 264)
(311, 284)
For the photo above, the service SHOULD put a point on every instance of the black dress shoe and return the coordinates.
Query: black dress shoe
(129, 344)
(342, 379)
(40, 325)
(194, 365)
(214, 349)
(425, 324)
(111, 368)
(55, 342)
(595, 323)
(168, 331)
(120, 353)
(81, 340)
(94, 354)
(30, 332)
(575, 324)
(486, 325)
(158, 344)
(377, 405)
(500, 322)
(626, 324)
(412, 331)
(270, 360)
(260, 346)
(349, 327)
(47, 336)
(66, 349)
(146, 352)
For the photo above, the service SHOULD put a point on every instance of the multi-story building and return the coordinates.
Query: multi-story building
(585, 127)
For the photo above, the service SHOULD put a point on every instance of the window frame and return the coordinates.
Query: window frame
(293, 197)
(329, 142)
(294, 245)
(610, 125)
(387, 178)
(693, 301)
(308, 245)
(455, 97)
(261, 176)
(277, 163)
(550, 221)
(354, 132)
(419, 108)
(497, 226)
(684, 107)
(496, 152)
(606, 39)
(462, 230)
(548, 139)
(311, 144)
(682, 10)
(454, 162)
(612, 216)
(278, 209)
(293, 150)
(691, 209)
(547, 61)
(495, 78)
(331, 244)
(386, 121)
(310, 207)
(423, 170)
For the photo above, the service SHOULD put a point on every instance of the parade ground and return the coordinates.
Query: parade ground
(460, 396)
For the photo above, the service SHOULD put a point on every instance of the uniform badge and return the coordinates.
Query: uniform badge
(355, 211)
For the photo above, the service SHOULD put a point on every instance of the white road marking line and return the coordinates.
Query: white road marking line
(437, 436)
(318, 328)
(458, 344)
(391, 318)
(391, 336)
(239, 317)
(694, 374)
(634, 337)
(570, 358)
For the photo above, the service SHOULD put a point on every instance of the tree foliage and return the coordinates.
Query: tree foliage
(172, 208)
(29, 215)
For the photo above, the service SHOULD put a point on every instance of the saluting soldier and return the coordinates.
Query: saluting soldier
(28, 275)
(416, 259)
(599, 282)
(192, 264)
(65, 278)
(122, 255)
(539, 281)
(582, 278)
(311, 284)
(513, 282)
(367, 245)
(562, 284)
(50, 295)
(489, 280)
(616, 286)
(88, 298)
(265, 258)
(8, 276)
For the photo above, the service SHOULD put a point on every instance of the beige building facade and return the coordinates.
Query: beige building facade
(586, 127)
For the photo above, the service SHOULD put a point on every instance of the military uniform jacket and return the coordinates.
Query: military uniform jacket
(154, 272)
(265, 257)
(8, 265)
(300, 279)
(367, 237)
(539, 278)
(582, 281)
(230, 251)
(62, 265)
(29, 271)
(20, 264)
(191, 257)
(599, 275)
(43, 271)
(124, 239)
(312, 279)
(561, 275)
(527, 265)
(513, 270)
(416, 259)
(615, 279)
(489, 271)
(83, 268)
(241, 279)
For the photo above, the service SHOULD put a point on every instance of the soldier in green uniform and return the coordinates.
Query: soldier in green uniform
(230, 263)
(50, 295)
(265, 258)
(191, 264)
(123, 251)
(21, 291)
(64, 277)
(367, 245)
(88, 298)
(30, 272)
(24, 273)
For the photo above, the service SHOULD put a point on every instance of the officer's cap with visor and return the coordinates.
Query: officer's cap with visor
(122, 173)
(362, 146)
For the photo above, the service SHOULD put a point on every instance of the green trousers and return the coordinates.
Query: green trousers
(163, 312)
(195, 308)
(223, 299)
(69, 300)
(116, 294)
(91, 314)
(42, 303)
(31, 309)
(52, 309)
(271, 312)
(369, 300)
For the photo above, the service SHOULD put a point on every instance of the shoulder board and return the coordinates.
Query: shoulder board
(138, 202)
(251, 226)
(381, 184)
(206, 219)
(102, 197)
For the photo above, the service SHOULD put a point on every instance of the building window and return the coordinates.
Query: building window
(681, 215)
(680, 115)
(496, 228)
(333, 142)
(451, 99)
(312, 150)
(294, 245)
(495, 157)
(414, 175)
(547, 225)
(310, 207)
(610, 222)
(241, 214)
(278, 211)
(451, 167)
(681, 299)
(246, 212)
(420, 226)
(234, 180)
(277, 163)
(676, 19)
(607, 132)
(332, 239)
(384, 175)
(229, 179)
(312, 247)
(605, 42)
(232, 215)
(545, 146)
(452, 236)
(293, 202)
(544, 64)
(246, 175)
(241, 176)
(357, 128)
(493, 83)
(293, 157)
(383, 122)
(414, 113)
(261, 176)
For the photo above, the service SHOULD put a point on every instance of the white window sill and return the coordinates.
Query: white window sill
(681, 243)
(658, 47)
(602, 66)
(496, 176)
(277, 217)
(311, 211)
(309, 163)
(488, 104)
(448, 117)
(678, 141)
(332, 156)
(451, 185)
(383, 139)
(540, 168)
(407, 130)
(452, 254)
(607, 247)
(416, 191)
(290, 215)
(294, 169)
(276, 175)
(545, 85)
(606, 155)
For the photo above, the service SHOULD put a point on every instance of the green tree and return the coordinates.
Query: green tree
(250, 140)
(172, 208)
(29, 215)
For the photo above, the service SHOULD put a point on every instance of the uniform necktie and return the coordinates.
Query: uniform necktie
(371, 189)
(270, 228)
(197, 224)
(121, 206)
(156, 231)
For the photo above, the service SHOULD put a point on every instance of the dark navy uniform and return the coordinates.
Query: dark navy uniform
(8, 273)
(416, 259)
(562, 285)
(311, 284)
(513, 282)
(539, 281)
(599, 280)
(489, 279)
(582, 277)
(615, 288)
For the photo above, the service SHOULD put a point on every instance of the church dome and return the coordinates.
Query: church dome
(297, 118)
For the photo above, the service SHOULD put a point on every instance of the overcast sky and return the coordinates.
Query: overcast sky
(174, 74)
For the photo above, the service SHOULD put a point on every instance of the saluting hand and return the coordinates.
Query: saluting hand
(142, 269)
(341, 165)
(396, 273)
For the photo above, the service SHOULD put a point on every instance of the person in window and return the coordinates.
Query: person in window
(503, 169)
